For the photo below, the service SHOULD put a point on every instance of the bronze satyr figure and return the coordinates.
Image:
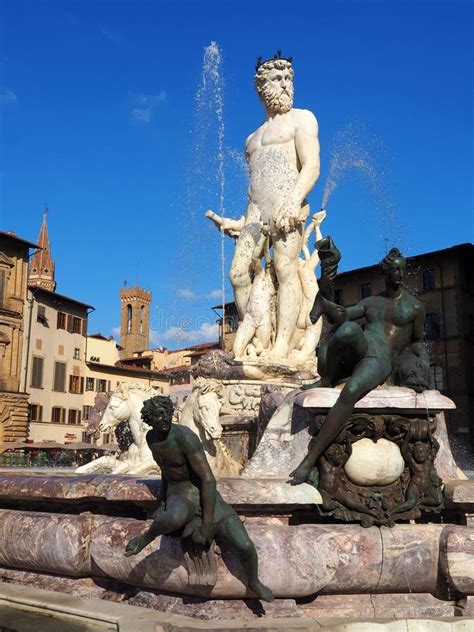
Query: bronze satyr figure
(190, 505)
(364, 356)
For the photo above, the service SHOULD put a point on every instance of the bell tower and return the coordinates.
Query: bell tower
(41, 271)
(135, 320)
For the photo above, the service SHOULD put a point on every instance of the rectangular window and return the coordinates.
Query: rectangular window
(59, 383)
(76, 384)
(77, 354)
(86, 411)
(365, 290)
(3, 277)
(41, 315)
(429, 280)
(89, 383)
(58, 415)
(37, 372)
(69, 323)
(86, 438)
(35, 412)
(77, 325)
(74, 417)
(62, 319)
(105, 439)
(101, 386)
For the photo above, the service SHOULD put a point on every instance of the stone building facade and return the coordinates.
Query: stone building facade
(14, 253)
(54, 365)
(175, 365)
(134, 320)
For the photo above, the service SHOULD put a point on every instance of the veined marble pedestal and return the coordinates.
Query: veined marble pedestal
(285, 440)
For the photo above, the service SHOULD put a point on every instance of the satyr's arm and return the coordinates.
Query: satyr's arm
(231, 227)
(258, 251)
(404, 447)
(194, 452)
(316, 222)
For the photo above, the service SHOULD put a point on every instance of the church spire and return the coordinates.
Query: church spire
(41, 273)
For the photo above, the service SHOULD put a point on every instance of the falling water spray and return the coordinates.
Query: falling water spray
(211, 94)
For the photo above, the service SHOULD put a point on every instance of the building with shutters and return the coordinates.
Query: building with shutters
(54, 352)
(54, 365)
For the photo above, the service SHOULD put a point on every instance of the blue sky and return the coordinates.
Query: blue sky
(99, 119)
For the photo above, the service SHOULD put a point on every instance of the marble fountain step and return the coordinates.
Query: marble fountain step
(28, 609)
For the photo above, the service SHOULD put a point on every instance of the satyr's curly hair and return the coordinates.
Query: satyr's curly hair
(393, 256)
(155, 405)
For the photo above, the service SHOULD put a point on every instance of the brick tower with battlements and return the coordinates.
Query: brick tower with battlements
(41, 270)
(135, 320)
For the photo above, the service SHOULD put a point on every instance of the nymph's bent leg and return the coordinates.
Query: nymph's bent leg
(369, 373)
(179, 511)
(233, 531)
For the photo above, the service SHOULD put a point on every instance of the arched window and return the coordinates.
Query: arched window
(142, 318)
(432, 327)
(129, 319)
(436, 375)
(429, 279)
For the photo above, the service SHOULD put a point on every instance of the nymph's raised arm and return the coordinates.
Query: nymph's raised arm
(356, 311)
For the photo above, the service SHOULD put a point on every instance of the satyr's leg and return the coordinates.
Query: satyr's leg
(412, 497)
(434, 497)
(244, 335)
(233, 531)
(286, 252)
(369, 373)
(240, 270)
(179, 511)
(311, 338)
(264, 331)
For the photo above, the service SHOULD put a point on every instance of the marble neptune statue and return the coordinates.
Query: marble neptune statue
(283, 159)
